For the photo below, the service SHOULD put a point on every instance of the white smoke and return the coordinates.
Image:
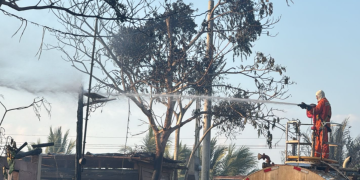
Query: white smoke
(38, 76)
(20, 69)
(38, 82)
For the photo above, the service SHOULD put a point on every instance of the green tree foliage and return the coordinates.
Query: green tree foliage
(61, 142)
(236, 161)
(339, 135)
(353, 149)
(230, 161)
(147, 145)
(184, 154)
(225, 161)
(350, 146)
(216, 155)
(148, 142)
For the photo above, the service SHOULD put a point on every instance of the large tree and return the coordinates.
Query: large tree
(164, 61)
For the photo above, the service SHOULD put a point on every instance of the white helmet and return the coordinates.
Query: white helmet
(319, 95)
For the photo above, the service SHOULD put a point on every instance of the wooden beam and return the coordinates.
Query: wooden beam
(39, 167)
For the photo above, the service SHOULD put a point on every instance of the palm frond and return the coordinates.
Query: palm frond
(237, 161)
(184, 152)
(339, 135)
(149, 141)
(70, 147)
(64, 142)
(61, 143)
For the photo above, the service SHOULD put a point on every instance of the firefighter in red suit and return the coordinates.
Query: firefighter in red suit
(320, 113)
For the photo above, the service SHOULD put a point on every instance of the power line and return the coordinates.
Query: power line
(170, 145)
(123, 137)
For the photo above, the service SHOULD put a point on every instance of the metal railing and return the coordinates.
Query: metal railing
(297, 139)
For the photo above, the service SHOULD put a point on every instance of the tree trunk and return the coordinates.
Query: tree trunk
(158, 165)
(176, 150)
(159, 155)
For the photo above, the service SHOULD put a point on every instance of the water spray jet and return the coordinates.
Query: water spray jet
(206, 97)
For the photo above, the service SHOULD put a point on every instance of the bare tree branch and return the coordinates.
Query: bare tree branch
(36, 104)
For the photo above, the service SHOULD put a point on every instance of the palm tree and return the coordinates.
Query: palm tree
(216, 154)
(236, 161)
(184, 152)
(339, 135)
(61, 143)
(349, 146)
(229, 161)
(353, 149)
(149, 141)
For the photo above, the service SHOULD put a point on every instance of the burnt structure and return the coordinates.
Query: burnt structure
(108, 166)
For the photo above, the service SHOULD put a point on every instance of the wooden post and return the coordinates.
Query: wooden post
(89, 90)
(79, 130)
(313, 139)
(39, 167)
(293, 147)
(313, 135)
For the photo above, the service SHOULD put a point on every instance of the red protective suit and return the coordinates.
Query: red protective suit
(322, 112)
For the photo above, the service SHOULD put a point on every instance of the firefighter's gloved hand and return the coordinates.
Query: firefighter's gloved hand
(309, 107)
(303, 105)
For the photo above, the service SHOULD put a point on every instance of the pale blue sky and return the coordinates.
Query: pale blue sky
(318, 42)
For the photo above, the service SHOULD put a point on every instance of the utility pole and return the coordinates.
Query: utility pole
(205, 169)
(95, 98)
(91, 74)
(79, 130)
